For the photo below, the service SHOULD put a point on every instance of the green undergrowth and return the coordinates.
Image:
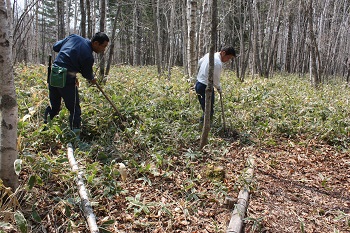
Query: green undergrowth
(160, 132)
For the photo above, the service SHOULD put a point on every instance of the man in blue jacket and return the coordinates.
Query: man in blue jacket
(74, 54)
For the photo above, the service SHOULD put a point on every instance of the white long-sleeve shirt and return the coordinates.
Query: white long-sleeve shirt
(203, 72)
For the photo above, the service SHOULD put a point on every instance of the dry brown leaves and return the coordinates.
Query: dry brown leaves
(301, 186)
(297, 186)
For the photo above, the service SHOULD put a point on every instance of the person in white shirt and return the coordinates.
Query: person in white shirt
(225, 54)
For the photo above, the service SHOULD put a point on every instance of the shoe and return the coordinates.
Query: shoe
(47, 112)
(76, 131)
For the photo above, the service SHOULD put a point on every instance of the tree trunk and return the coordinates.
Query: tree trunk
(68, 8)
(60, 20)
(89, 20)
(102, 29)
(289, 48)
(83, 19)
(171, 38)
(191, 45)
(313, 49)
(8, 103)
(209, 89)
(156, 35)
(136, 35)
(256, 65)
(75, 20)
(112, 42)
(203, 33)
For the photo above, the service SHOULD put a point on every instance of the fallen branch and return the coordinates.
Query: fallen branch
(87, 209)
(236, 222)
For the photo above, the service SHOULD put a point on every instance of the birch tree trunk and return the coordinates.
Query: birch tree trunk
(102, 29)
(8, 103)
(75, 20)
(203, 33)
(191, 45)
(112, 42)
(89, 20)
(68, 8)
(184, 37)
(171, 38)
(156, 36)
(242, 32)
(209, 89)
(136, 35)
(315, 80)
(256, 65)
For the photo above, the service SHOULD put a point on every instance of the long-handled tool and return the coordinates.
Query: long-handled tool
(110, 101)
(222, 112)
(49, 68)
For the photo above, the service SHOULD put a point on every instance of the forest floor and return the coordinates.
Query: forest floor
(301, 181)
(298, 187)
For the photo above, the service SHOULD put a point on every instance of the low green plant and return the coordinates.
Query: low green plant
(139, 206)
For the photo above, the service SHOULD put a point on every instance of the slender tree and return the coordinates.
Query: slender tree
(102, 29)
(171, 38)
(89, 20)
(203, 33)
(112, 42)
(313, 49)
(8, 103)
(156, 35)
(191, 47)
(83, 19)
(60, 19)
(209, 89)
(136, 35)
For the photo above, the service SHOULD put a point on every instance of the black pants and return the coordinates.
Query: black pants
(200, 90)
(70, 96)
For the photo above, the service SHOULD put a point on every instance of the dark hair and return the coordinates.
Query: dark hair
(229, 50)
(100, 37)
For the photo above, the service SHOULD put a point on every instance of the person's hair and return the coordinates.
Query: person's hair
(100, 37)
(229, 50)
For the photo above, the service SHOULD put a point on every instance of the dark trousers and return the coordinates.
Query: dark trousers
(200, 90)
(70, 96)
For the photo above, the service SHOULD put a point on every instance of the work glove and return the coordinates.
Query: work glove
(93, 81)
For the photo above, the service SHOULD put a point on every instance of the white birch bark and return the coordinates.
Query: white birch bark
(171, 38)
(8, 104)
(86, 205)
(203, 32)
(191, 45)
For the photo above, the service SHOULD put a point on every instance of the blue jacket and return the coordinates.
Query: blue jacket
(75, 54)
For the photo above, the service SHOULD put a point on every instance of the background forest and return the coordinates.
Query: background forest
(286, 101)
(284, 36)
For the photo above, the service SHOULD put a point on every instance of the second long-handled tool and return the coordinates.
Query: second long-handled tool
(222, 112)
(110, 101)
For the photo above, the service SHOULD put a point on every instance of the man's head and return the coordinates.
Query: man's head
(226, 53)
(99, 42)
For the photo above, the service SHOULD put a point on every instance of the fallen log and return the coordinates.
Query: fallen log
(237, 216)
(86, 205)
